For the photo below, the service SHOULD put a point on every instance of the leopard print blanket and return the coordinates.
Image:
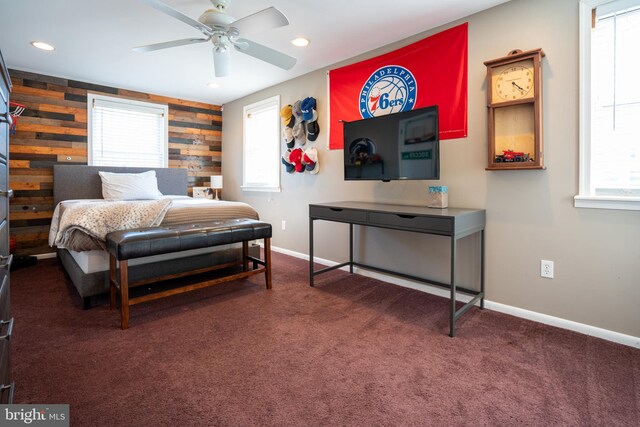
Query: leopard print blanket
(99, 218)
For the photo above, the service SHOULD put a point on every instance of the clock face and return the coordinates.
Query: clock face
(513, 81)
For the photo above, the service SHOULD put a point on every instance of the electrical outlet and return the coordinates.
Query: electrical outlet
(546, 269)
(284, 224)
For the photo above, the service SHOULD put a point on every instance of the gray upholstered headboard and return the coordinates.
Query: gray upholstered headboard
(83, 182)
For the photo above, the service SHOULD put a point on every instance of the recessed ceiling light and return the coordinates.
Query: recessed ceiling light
(214, 85)
(42, 45)
(300, 42)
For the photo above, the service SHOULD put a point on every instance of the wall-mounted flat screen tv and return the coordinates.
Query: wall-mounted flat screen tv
(395, 146)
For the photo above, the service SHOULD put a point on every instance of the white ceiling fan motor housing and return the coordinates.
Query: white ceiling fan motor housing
(217, 17)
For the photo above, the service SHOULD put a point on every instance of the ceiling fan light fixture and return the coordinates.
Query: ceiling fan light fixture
(300, 42)
(221, 63)
(42, 45)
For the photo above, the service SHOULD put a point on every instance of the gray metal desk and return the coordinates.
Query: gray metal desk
(454, 223)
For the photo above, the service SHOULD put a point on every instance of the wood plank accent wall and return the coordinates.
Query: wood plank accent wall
(53, 129)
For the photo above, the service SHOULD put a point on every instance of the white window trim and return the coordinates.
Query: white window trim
(275, 189)
(132, 103)
(584, 199)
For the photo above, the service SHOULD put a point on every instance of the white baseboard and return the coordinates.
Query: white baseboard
(558, 322)
(604, 334)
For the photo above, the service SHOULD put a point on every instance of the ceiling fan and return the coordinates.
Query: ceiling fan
(224, 32)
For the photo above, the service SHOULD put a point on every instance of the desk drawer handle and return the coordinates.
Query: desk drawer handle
(7, 387)
(336, 209)
(406, 216)
(9, 329)
(5, 262)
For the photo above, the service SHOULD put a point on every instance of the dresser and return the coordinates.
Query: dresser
(6, 321)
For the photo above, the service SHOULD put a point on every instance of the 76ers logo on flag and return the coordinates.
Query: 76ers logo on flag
(390, 89)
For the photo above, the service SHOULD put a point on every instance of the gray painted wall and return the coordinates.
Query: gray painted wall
(530, 214)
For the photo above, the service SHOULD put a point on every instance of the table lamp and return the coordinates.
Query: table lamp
(216, 184)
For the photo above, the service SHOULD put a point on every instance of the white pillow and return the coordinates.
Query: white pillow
(130, 186)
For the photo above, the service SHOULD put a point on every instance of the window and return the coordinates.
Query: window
(261, 146)
(124, 132)
(609, 105)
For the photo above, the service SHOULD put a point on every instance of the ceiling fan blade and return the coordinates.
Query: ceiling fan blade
(165, 45)
(162, 7)
(266, 54)
(267, 19)
(221, 62)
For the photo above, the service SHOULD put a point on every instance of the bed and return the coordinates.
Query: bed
(87, 265)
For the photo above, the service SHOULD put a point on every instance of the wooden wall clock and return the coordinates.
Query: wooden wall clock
(514, 102)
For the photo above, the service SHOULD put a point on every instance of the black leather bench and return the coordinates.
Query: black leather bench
(124, 245)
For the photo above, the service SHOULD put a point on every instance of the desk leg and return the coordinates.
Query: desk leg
(351, 248)
(482, 269)
(267, 261)
(452, 319)
(311, 252)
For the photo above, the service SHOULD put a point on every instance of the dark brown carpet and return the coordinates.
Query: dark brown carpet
(352, 351)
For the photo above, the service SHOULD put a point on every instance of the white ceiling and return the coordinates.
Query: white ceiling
(93, 40)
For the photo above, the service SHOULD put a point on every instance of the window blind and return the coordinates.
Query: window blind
(616, 100)
(127, 133)
(261, 168)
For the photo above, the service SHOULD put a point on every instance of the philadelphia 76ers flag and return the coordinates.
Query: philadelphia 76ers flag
(432, 71)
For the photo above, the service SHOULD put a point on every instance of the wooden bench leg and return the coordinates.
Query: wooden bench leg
(245, 256)
(124, 294)
(112, 281)
(267, 261)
